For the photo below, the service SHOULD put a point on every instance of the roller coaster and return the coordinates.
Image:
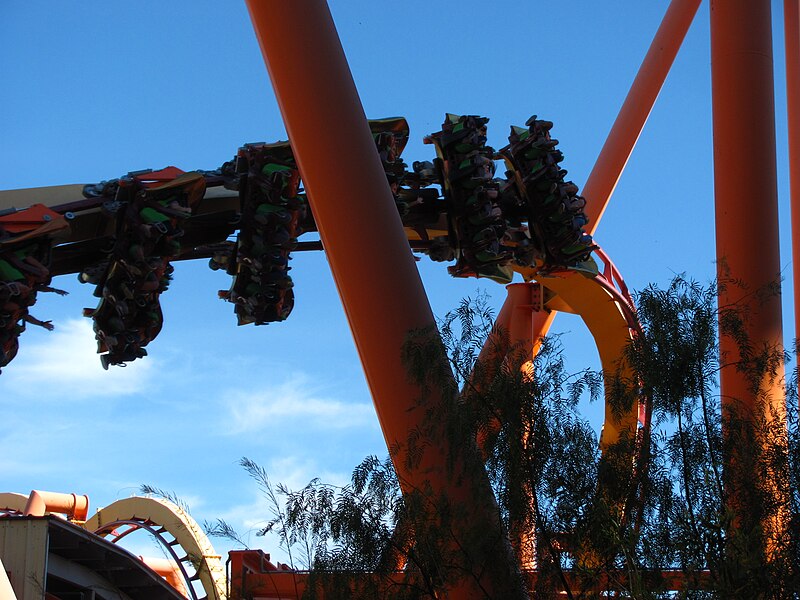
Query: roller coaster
(248, 216)
(121, 236)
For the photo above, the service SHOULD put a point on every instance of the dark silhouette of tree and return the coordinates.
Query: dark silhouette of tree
(593, 525)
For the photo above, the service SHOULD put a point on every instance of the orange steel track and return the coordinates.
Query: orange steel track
(742, 90)
(382, 312)
(306, 62)
(600, 298)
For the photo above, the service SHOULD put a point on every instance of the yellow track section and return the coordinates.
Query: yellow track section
(180, 525)
(578, 292)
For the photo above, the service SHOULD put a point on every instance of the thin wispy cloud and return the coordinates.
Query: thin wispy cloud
(64, 365)
(294, 401)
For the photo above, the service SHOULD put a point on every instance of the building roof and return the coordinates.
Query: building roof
(75, 559)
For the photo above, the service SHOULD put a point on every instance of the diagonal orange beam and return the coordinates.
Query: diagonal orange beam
(631, 120)
(748, 257)
(377, 280)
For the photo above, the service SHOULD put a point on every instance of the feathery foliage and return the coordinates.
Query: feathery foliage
(594, 524)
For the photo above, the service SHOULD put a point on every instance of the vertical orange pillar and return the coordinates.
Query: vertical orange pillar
(636, 108)
(540, 325)
(515, 330)
(374, 270)
(791, 26)
(746, 198)
(523, 298)
(520, 329)
(502, 338)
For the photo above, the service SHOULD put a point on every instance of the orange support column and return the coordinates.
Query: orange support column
(494, 348)
(374, 270)
(746, 199)
(508, 328)
(169, 570)
(517, 329)
(791, 25)
(524, 299)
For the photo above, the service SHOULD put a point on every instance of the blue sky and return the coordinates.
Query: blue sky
(95, 89)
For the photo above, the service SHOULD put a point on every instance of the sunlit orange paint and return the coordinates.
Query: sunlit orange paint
(746, 200)
(745, 182)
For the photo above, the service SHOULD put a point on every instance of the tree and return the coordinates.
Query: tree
(587, 539)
